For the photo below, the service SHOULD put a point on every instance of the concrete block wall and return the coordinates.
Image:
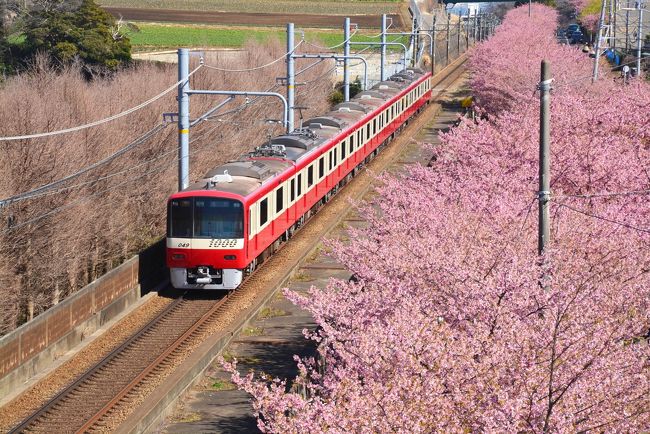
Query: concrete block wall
(33, 346)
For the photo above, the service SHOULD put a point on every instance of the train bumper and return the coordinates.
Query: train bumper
(230, 279)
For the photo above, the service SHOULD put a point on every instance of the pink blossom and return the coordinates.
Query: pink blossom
(455, 323)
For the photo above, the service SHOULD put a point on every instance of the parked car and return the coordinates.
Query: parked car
(572, 28)
(576, 37)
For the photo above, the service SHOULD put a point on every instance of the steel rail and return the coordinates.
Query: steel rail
(133, 385)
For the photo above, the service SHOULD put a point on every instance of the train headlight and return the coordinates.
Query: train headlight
(179, 256)
(230, 257)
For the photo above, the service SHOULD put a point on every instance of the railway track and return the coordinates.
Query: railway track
(85, 404)
(103, 396)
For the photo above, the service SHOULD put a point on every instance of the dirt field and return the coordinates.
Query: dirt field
(308, 7)
(247, 19)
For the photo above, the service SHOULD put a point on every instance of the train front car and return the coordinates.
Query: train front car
(205, 233)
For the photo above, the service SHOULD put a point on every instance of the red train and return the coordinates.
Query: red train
(221, 227)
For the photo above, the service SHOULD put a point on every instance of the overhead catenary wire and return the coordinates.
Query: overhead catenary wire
(333, 46)
(256, 68)
(51, 188)
(101, 121)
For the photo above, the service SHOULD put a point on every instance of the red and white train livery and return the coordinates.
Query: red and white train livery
(221, 227)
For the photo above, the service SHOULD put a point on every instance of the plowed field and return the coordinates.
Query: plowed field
(248, 19)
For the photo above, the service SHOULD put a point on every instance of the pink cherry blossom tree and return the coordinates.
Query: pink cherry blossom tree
(455, 324)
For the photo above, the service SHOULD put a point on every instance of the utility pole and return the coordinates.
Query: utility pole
(543, 195)
(467, 32)
(291, 75)
(601, 23)
(346, 66)
(448, 37)
(639, 38)
(383, 48)
(627, 30)
(183, 119)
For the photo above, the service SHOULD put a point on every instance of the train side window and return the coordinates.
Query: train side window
(321, 167)
(343, 149)
(367, 130)
(359, 138)
(335, 155)
(374, 126)
(351, 141)
(264, 211)
(310, 176)
(293, 189)
(299, 185)
(279, 199)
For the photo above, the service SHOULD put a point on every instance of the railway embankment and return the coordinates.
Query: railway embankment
(36, 347)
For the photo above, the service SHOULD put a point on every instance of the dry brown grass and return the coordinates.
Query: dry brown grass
(55, 244)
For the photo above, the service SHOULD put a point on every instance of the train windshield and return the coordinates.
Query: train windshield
(205, 217)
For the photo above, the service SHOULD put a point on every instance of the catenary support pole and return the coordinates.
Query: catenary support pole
(383, 48)
(183, 119)
(599, 38)
(291, 77)
(346, 63)
(433, 46)
(448, 37)
(544, 233)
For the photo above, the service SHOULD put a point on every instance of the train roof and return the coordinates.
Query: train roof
(248, 173)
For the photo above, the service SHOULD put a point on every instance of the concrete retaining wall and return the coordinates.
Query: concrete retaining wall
(33, 346)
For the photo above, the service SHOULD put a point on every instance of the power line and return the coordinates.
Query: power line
(256, 68)
(590, 77)
(604, 194)
(606, 219)
(101, 121)
(80, 200)
(42, 190)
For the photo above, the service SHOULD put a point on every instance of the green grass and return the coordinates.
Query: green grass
(302, 276)
(188, 418)
(270, 312)
(252, 331)
(222, 385)
(326, 7)
(16, 39)
(159, 36)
